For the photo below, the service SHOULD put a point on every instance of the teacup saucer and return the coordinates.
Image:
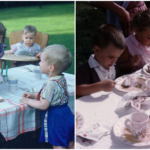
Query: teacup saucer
(79, 121)
(145, 68)
(124, 135)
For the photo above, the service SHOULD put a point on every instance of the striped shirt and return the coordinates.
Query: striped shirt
(54, 92)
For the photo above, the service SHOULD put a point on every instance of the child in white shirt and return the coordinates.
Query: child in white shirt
(99, 72)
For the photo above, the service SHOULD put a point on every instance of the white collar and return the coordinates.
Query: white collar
(101, 71)
(94, 63)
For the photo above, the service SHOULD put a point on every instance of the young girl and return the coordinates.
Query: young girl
(58, 120)
(99, 72)
(137, 52)
(2, 39)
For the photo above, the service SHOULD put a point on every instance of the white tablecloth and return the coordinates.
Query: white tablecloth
(100, 107)
(16, 117)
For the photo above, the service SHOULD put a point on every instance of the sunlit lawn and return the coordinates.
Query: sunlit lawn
(57, 20)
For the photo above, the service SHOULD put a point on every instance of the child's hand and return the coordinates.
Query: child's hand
(135, 60)
(27, 95)
(38, 55)
(24, 100)
(107, 85)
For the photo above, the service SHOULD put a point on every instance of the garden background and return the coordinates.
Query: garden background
(53, 18)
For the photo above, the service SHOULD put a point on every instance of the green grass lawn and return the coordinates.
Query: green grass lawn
(57, 20)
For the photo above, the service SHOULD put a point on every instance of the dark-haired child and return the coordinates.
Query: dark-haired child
(99, 72)
(2, 39)
(137, 52)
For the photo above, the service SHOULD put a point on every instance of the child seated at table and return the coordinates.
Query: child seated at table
(27, 46)
(58, 120)
(137, 52)
(2, 39)
(99, 72)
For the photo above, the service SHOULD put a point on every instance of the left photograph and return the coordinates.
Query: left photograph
(37, 75)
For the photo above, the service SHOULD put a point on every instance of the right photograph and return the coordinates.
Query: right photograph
(112, 75)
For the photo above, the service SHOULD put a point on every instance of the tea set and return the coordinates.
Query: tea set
(134, 129)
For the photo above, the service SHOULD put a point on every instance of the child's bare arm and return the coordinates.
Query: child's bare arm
(124, 15)
(42, 104)
(30, 95)
(86, 89)
(38, 55)
(8, 52)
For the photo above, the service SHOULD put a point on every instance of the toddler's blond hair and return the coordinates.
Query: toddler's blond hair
(59, 56)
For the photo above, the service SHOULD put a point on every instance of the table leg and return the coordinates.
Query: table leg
(2, 62)
(12, 64)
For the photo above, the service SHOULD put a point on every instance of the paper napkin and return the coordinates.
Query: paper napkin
(93, 133)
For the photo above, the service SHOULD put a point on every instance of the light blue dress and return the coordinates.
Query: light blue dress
(22, 49)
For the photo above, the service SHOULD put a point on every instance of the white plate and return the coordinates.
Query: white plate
(79, 121)
(119, 87)
(124, 135)
(145, 68)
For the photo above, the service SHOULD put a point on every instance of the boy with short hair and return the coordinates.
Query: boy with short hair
(99, 72)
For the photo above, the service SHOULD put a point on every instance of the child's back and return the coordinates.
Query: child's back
(58, 120)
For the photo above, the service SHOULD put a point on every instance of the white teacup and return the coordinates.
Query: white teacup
(146, 87)
(138, 125)
(13, 81)
(37, 72)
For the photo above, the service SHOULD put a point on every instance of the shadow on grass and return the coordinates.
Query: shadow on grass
(64, 39)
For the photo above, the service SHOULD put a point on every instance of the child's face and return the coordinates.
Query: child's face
(28, 38)
(107, 56)
(143, 36)
(44, 67)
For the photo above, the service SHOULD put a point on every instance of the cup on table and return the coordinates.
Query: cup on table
(37, 72)
(146, 87)
(13, 82)
(138, 124)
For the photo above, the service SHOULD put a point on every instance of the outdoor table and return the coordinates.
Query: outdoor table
(13, 58)
(16, 117)
(100, 107)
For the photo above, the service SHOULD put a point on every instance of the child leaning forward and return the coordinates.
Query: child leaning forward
(58, 120)
(99, 72)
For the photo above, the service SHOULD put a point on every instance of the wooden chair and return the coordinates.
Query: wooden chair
(15, 37)
(40, 38)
